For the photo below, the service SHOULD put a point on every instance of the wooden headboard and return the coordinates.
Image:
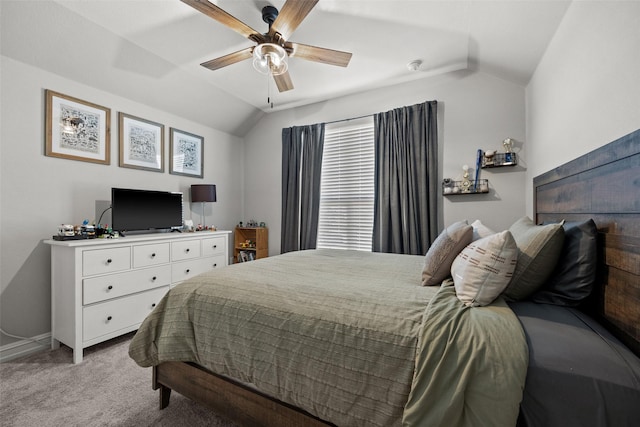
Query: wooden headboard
(604, 185)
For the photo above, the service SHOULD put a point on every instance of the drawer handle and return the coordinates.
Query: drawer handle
(109, 261)
(109, 318)
(215, 246)
(153, 305)
(153, 279)
(215, 265)
(109, 287)
(187, 271)
(187, 250)
(153, 255)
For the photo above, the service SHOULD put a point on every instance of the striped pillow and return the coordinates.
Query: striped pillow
(484, 268)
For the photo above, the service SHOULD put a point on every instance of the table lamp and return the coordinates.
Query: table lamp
(203, 193)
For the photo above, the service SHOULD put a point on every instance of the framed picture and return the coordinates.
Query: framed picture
(141, 143)
(76, 129)
(186, 154)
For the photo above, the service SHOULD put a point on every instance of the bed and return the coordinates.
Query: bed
(432, 375)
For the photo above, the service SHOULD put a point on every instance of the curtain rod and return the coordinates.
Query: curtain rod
(347, 120)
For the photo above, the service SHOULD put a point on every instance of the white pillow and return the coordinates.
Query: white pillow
(484, 268)
(480, 230)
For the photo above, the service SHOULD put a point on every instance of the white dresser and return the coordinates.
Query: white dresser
(103, 288)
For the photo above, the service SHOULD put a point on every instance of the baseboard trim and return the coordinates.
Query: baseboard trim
(25, 347)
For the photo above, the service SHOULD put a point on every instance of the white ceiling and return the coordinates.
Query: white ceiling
(505, 38)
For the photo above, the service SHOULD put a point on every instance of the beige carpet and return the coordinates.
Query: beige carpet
(106, 389)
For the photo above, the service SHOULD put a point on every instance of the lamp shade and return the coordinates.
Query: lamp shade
(203, 193)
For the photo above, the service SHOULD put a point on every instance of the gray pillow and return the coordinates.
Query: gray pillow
(575, 274)
(484, 268)
(437, 261)
(539, 247)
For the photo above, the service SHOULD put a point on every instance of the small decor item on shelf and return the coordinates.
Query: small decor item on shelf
(509, 156)
(466, 184)
(478, 163)
(508, 145)
(447, 186)
(488, 157)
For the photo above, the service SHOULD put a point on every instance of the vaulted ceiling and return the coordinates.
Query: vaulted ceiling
(164, 41)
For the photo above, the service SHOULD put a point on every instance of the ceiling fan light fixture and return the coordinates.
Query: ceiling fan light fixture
(270, 58)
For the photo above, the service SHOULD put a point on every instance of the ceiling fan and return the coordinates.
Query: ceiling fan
(272, 49)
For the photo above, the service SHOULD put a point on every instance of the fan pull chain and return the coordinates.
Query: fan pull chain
(269, 76)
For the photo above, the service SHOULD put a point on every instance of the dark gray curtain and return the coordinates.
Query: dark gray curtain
(301, 172)
(406, 173)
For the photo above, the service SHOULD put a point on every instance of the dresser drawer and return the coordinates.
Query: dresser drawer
(213, 246)
(102, 288)
(100, 261)
(212, 262)
(186, 249)
(111, 316)
(148, 255)
(182, 271)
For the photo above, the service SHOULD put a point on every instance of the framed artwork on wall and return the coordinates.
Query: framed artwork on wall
(141, 143)
(76, 129)
(186, 154)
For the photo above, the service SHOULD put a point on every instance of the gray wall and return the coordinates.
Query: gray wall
(38, 192)
(586, 89)
(475, 111)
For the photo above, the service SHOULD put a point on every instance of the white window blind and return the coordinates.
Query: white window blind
(347, 186)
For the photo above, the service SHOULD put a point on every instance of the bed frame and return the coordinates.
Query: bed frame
(603, 184)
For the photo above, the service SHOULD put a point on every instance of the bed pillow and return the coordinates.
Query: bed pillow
(443, 250)
(480, 230)
(484, 268)
(575, 274)
(539, 247)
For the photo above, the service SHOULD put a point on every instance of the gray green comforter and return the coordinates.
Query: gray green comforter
(351, 337)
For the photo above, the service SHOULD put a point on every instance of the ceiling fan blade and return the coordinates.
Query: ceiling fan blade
(318, 54)
(229, 59)
(225, 18)
(283, 81)
(291, 15)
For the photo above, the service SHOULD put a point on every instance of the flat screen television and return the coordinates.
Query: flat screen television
(145, 210)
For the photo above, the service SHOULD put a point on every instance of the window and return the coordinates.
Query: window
(347, 186)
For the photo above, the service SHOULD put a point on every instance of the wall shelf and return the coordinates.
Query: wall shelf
(499, 160)
(459, 188)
